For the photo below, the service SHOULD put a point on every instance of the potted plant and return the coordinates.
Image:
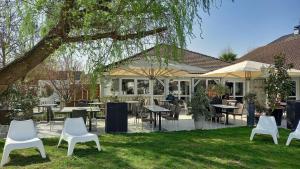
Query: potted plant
(278, 86)
(200, 104)
(250, 99)
(219, 90)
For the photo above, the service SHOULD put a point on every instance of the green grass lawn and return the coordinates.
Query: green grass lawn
(222, 148)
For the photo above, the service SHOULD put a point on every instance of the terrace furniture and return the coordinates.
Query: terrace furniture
(91, 111)
(175, 115)
(266, 125)
(239, 111)
(156, 110)
(48, 107)
(75, 131)
(215, 115)
(227, 110)
(55, 117)
(76, 113)
(295, 134)
(21, 135)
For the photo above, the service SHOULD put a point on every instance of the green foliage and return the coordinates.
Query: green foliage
(278, 82)
(107, 31)
(250, 97)
(219, 89)
(228, 56)
(21, 98)
(200, 104)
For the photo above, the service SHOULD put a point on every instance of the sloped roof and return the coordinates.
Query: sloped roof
(288, 45)
(189, 57)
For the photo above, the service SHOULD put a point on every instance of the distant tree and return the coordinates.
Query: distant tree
(10, 46)
(228, 55)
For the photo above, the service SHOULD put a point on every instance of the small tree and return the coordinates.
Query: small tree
(278, 82)
(219, 89)
(228, 55)
(200, 104)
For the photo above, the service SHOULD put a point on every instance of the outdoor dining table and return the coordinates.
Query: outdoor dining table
(96, 104)
(48, 108)
(227, 109)
(91, 111)
(166, 102)
(156, 109)
(130, 104)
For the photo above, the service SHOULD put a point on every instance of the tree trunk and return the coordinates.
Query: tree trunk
(21, 66)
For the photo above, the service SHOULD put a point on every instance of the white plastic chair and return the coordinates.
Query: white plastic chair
(295, 134)
(21, 135)
(266, 125)
(75, 131)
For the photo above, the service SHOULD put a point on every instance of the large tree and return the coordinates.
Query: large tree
(102, 29)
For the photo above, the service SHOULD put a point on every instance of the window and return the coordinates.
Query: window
(127, 86)
(211, 83)
(173, 87)
(158, 87)
(293, 91)
(184, 87)
(230, 87)
(143, 87)
(236, 89)
(111, 87)
(239, 89)
(199, 83)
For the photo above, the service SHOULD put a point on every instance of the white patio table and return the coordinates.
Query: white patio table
(48, 107)
(91, 111)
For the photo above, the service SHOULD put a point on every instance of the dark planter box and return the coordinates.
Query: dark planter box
(293, 114)
(4, 117)
(251, 114)
(116, 117)
(277, 113)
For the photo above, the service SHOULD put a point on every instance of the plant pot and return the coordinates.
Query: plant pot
(277, 113)
(251, 114)
(3, 130)
(199, 122)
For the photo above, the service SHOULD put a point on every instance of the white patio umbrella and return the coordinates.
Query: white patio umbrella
(155, 69)
(246, 69)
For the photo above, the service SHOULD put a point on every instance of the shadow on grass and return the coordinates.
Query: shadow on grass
(21, 160)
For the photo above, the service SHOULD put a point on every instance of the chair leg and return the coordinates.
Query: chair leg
(59, 142)
(252, 135)
(289, 140)
(71, 146)
(97, 143)
(5, 156)
(275, 138)
(41, 149)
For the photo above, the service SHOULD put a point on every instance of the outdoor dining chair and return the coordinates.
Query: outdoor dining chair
(266, 125)
(55, 117)
(75, 131)
(295, 134)
(174, 117)
(239, 111)
(21, 135)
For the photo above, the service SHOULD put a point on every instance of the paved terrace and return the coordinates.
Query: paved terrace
(185, 122)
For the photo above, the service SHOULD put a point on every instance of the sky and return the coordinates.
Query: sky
(244, 25)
